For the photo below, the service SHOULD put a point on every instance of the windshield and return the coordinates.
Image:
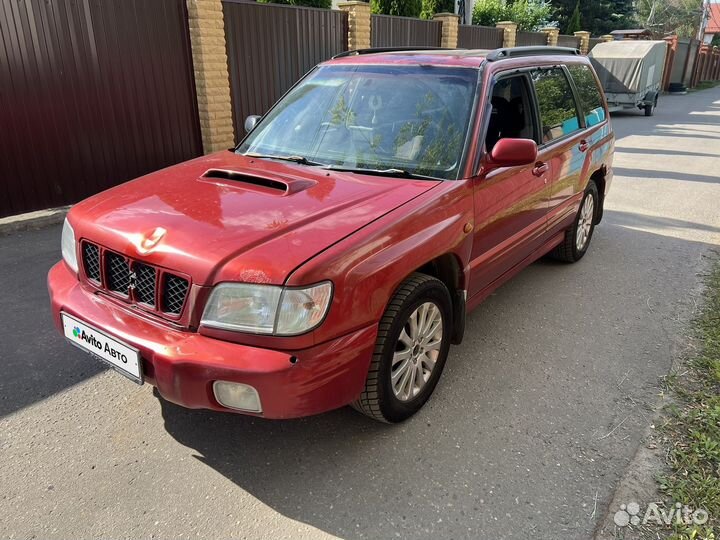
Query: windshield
(410, 118)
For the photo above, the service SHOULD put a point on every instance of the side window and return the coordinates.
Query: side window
(558, 112)
(511, 115)
(589, 94)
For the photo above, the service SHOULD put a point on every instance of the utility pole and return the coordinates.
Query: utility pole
(703, 20)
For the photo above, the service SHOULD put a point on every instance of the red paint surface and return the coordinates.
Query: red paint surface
(366, 234)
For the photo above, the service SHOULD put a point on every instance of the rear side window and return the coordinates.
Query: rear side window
(556, 102)
(589, 94)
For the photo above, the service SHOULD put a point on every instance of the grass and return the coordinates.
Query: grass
(693, 424)
(704, 86)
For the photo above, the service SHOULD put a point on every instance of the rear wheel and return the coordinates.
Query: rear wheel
(650, 107)
(577, 238)
(412, 346)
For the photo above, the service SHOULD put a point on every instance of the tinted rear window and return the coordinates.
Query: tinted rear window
(589, 94)
(556, 102)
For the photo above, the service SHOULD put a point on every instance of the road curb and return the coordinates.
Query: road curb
(32, 220)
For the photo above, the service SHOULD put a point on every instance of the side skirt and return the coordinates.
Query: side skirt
(547, 247)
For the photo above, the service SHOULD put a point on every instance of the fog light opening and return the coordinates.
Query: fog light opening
(239, 396)
(293, 359)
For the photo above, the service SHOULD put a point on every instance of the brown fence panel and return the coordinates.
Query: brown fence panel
(677, 75)
(391, 31)
(480, 37)
(271, 46)
(688, 76)
(593, 42)
(92, 94)
(531, 38)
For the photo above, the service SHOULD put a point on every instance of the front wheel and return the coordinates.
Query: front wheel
(413, 342)
(577, 238)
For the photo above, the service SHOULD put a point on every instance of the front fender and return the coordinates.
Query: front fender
(368, 266)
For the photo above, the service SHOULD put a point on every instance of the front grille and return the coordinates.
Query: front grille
(145, 284)
(174, 293)
(91, 260)
(117, 270)
(137, 282)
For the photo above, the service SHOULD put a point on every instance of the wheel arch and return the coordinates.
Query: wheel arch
(448, 269)
(599, 178)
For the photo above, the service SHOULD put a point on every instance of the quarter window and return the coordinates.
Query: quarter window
(558, 112)
(589, 94)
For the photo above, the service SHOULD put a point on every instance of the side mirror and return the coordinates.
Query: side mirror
(513, 153)
(250, 122)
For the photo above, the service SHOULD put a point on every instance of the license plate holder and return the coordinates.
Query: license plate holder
(108, 349)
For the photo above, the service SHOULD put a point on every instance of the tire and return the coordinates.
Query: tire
(569, 250)
(380, 399)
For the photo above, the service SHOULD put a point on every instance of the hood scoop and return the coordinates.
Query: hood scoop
(278, 186)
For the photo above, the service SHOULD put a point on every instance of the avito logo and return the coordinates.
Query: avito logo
(91, 340)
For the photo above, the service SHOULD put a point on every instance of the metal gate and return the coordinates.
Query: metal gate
(92, 93)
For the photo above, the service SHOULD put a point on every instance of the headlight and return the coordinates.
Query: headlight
(67, 245)
(267, 309)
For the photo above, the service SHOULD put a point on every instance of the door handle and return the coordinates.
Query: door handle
(583, 146)
(540, 168)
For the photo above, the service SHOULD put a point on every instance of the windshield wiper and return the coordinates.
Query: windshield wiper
(295, 159)
(397, 173)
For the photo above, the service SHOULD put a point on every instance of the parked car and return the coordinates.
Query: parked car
(631, 73)
(331, 258)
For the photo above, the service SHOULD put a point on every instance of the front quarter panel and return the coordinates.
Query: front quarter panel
(367, 267)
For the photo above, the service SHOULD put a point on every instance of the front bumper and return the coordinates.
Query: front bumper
(183, 365)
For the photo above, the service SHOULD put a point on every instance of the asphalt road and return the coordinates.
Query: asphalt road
(534, 421)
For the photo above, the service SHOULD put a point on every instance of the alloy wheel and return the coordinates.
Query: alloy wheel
(417, 351)
(585, 222)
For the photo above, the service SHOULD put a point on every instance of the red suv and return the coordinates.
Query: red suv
(330, 258)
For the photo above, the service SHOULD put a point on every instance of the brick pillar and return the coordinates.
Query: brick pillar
(358, 24)
(607, 37)
(450, 23)
(212, 82)
(552, 36)
(584, 41)
(510, 37)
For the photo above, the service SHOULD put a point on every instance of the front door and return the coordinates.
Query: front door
(511, 202)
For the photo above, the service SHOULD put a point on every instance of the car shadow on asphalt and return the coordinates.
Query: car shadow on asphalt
(644, 174)
(36, 361)
(537, 382)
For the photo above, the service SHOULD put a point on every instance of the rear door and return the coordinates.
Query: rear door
(561, 146)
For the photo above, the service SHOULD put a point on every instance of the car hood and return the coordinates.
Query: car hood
(226, 217)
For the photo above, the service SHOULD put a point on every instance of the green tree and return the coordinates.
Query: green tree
(528, 14)
(575, 22)
(403, 8)
(598, 16)
(309, 3)
(431, 7)
(682, 17)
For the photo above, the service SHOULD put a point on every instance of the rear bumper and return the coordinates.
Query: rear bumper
(183, 365)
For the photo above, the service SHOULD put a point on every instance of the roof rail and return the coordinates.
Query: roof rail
(377, 50)
(542, 50)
